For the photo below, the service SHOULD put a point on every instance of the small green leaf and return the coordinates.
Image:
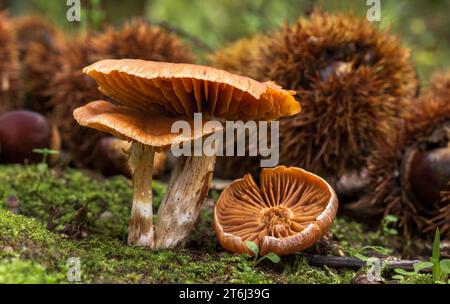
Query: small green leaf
(435, 255)
(252, 246)
(360, 256)
(390, 218)
(421, 266)
(445, 266)
(403, 272)
(42, 167)
(378, 249)
(397, 277)
(273, 257)
(38, 151)
(53, 152)
(46, 151)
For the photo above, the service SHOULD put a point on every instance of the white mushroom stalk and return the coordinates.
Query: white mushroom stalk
(140, 227)
(187, 190)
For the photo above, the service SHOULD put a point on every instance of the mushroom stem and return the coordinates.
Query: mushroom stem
(188, 187)
(140, 227)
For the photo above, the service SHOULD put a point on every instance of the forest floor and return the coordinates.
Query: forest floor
(67, 214)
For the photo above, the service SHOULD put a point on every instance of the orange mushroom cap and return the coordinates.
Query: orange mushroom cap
(150, 129)
(182, 89)
(288, 212)
(152, 95)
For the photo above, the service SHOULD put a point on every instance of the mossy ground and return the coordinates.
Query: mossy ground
(66, 214)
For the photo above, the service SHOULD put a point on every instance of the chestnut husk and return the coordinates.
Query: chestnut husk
(409, 169)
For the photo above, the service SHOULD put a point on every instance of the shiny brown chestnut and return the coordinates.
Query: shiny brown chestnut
(429, 175)
(22, 131)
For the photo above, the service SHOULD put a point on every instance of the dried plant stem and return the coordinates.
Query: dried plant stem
(354, 263)
(140, 227)
(181, 205)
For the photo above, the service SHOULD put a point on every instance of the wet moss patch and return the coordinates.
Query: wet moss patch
(69, 214)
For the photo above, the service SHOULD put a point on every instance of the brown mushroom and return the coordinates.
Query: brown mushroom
(148, 132)
(287, 212)
(153, 95)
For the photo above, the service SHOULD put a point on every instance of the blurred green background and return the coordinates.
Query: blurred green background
(423, 25)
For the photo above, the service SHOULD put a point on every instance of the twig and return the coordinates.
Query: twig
(354, 263)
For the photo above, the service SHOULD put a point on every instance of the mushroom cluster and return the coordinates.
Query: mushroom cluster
(148, 98)
(287, 212)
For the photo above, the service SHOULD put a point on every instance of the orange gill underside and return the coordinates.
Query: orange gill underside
(283, 205)
(183, 96)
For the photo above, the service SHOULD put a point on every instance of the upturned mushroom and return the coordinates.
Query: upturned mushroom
(287, 212)
(151, 96)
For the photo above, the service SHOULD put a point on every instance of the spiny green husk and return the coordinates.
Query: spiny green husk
(10, 85)
(388, 191)
(71, 88)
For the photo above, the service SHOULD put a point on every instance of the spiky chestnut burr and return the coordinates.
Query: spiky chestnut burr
(10, 97)
(442, 220)
(41, 46)
(238, 57)
(354, 80)
(410, 169)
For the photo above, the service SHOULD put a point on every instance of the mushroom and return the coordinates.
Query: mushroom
(288, 212)
(20, 132)
(151, 97)
(148, 132)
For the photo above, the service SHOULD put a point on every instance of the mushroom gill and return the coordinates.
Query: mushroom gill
(288, 212)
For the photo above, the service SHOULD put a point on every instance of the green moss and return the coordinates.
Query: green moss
(71, 201)
(353, 236)
(418, 278)
(93, 215)
(105, 260)
(300, 272)
(17, 271)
